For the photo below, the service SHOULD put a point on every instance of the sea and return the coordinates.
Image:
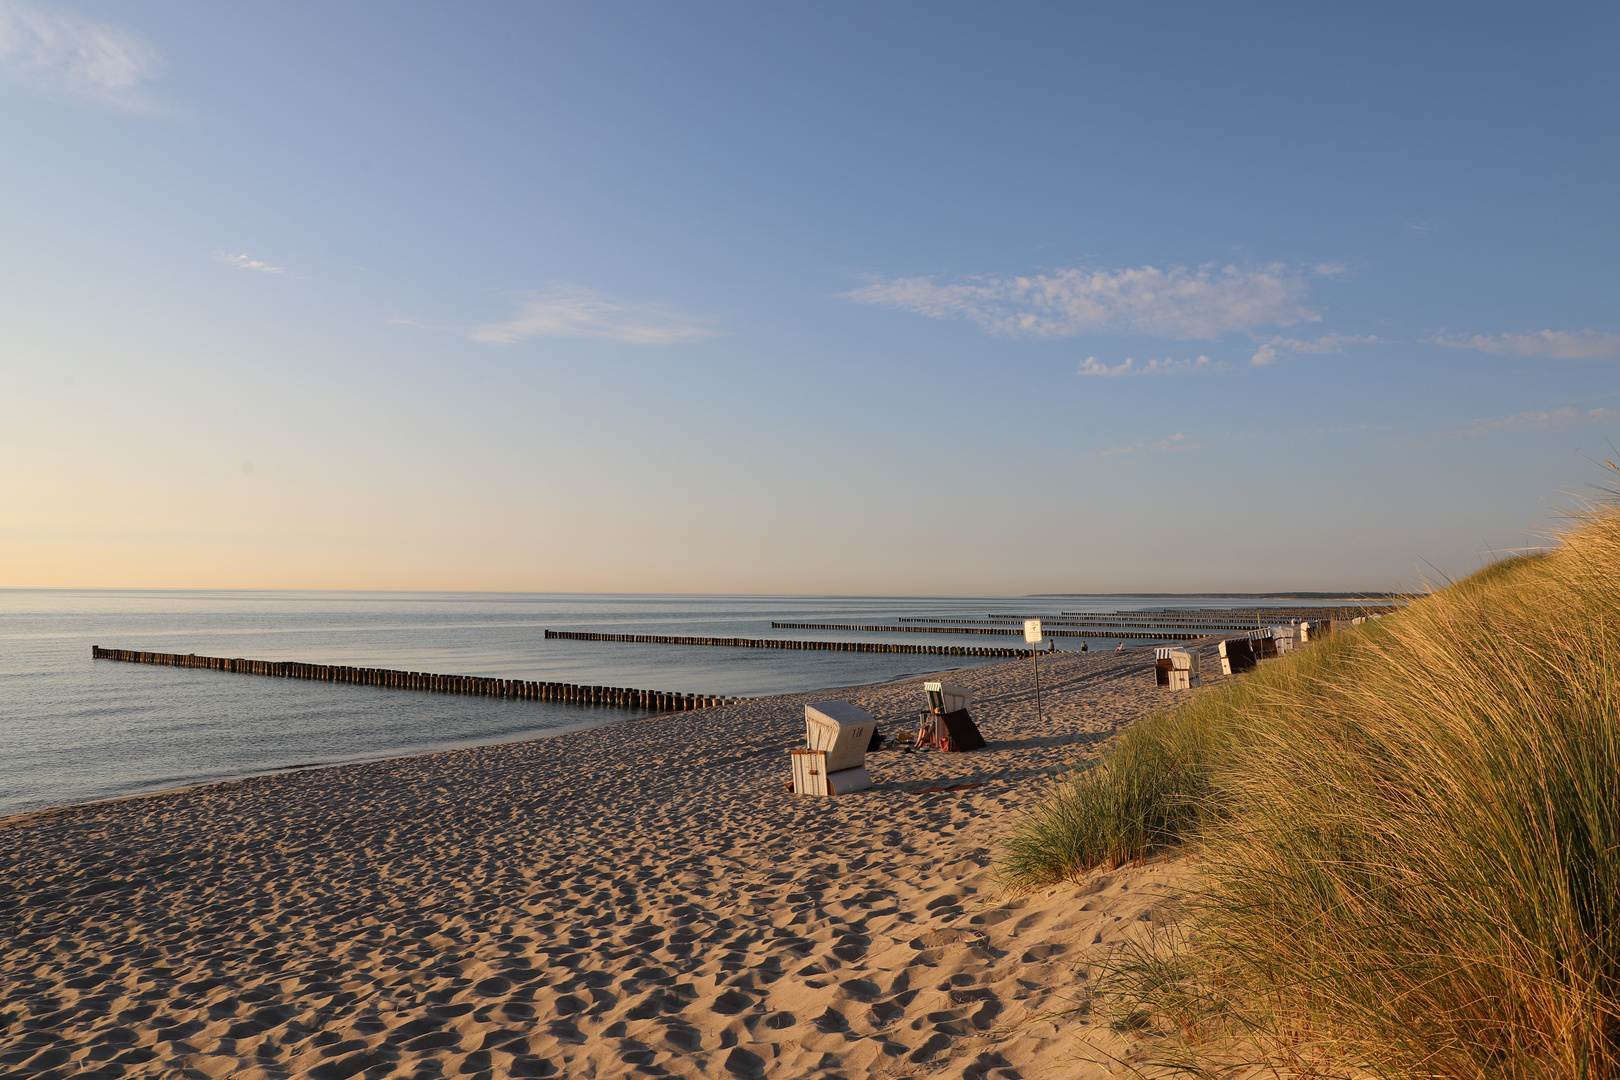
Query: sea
(75, 730)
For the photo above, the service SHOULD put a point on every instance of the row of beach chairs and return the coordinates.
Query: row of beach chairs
(837, 735)
(1243, 654)
(1178, 668)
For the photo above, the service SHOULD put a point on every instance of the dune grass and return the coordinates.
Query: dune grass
(1155, 787)
(1146, 794)
(1409, 839)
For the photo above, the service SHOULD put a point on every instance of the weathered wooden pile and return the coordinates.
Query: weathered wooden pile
(789, 643)
(524, 690)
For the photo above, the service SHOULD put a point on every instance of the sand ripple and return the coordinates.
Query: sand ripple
(643, 899)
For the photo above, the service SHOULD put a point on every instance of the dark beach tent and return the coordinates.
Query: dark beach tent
(963, 732)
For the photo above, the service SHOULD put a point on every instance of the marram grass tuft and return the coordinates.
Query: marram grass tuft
(1408, 836)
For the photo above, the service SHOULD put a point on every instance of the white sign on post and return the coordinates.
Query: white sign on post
(1032, 634)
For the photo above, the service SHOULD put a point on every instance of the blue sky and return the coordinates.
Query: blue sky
(847, 298)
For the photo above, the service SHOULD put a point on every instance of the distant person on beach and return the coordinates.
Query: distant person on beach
(1084, 647)
(1120, 647)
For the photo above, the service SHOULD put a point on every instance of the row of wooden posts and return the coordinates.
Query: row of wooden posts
(787, 643)
(1269, 615)
(1156, 635)
(1207, 617)
(1010, 626)
(603, 696)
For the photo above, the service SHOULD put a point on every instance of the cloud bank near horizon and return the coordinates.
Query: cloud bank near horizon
(1177, 303)
(1568, 416)
(247, 262)
(1168, 366)
(1547, 344)
(1269, 350)
(577, 312)
(67, 55)
(1179, 441)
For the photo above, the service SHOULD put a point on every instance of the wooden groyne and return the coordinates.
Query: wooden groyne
(789, 643)
(1003, 631)
(1015, 626)
(1200, 617)
(602, 696)
(887, 628)
(994, 620)
(1271, 616)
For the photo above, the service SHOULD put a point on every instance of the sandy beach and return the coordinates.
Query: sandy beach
(640, 899)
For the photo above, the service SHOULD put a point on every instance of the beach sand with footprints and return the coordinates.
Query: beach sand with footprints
(641, 899)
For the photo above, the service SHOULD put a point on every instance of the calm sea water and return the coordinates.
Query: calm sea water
(75, 730)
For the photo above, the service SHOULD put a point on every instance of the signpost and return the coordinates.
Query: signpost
(1032, 634)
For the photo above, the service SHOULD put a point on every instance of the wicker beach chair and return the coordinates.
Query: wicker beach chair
(833, 762)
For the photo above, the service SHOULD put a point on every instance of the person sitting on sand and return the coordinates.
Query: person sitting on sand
(1120, 647)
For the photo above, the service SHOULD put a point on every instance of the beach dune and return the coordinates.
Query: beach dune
(640, 899)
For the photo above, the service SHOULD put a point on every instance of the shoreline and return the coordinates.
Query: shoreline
(631, 896)
(7, 820)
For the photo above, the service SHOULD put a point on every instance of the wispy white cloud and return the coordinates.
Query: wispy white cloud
(1179, 441)
(573, 311)
(1552, 344)
(1178, 302)
(1092, 366)
(64, 54)
(1569, 416)
(244, 262)
(1327, 343)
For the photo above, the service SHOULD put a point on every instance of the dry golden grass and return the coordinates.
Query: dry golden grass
(1410, 840)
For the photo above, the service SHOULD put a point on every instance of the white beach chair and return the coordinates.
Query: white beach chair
(1237, 655)
(1263, 643)
(946, 722)
(943, 697)
(833, 762)
(1176, 668)
(1314, 631)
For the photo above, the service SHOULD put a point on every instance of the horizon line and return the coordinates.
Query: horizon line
(1344, 594)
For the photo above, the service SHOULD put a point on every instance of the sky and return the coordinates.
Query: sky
(833, 298)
